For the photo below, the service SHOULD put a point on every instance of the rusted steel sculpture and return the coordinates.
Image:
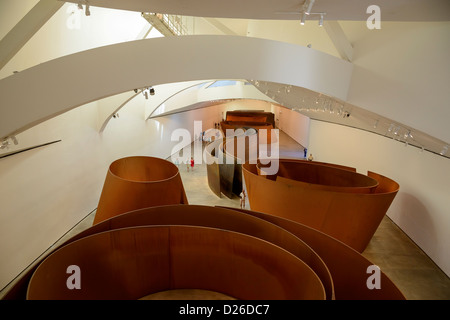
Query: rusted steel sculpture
(250, 116)
(348, 267)
(242, 254)
(131, 263)
(224, 170)
(139, 182)
(343, 204)
(261, 122)
(264, 130)
(199, 247)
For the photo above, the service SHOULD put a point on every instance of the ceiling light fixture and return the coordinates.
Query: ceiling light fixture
(87, 12)
(444, 150)
(306, 10)
(307, 6)
(391, 127)
(302, 21)
(5, 144)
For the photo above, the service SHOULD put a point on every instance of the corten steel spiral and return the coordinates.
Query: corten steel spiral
(139, 182)
(156, 249)
(221, 218)
(131, 263)
(341, 203)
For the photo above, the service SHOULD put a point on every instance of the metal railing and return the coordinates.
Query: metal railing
(168, 24)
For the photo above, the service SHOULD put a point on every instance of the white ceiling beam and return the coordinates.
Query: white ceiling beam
(173, 59)
(26, 28)
(339, 39)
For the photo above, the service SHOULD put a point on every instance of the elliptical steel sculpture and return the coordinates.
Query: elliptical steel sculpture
(335, 200)
(139, 182)
(243, 254)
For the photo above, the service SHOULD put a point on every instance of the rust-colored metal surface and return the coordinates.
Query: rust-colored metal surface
(239, 118)
(131, 263)
(139, 182)
(263, 130)
(341, 270)
(351, 217)
(347, 266)
(318, 176)
(213, 172)
(220, 174)
(246, 115)
(223, 218)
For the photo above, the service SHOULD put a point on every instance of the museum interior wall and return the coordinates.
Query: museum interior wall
(46, 191)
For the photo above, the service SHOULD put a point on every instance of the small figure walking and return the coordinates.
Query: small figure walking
(242, 199)
(187, 164)
(192, 164)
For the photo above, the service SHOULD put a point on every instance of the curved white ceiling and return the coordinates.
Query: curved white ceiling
(392, 10)
(49, 89)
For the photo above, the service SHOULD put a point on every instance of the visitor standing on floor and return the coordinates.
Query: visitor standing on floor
(242, 199)
(310, 158)
(192, 164)
(187, 164)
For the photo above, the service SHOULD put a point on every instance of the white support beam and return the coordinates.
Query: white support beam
(339, 39)
(144, 32)
(221, 27)
(26, 28)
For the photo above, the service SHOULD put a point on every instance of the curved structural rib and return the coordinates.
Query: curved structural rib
(174, 59)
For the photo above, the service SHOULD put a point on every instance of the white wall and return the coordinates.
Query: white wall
(57, 38)
(293, 32)
(421, 208)
(402, 72)
(293, 124)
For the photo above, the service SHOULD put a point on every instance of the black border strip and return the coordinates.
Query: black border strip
(27, 149)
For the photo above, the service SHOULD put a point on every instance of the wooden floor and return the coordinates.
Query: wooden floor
(391, 249)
